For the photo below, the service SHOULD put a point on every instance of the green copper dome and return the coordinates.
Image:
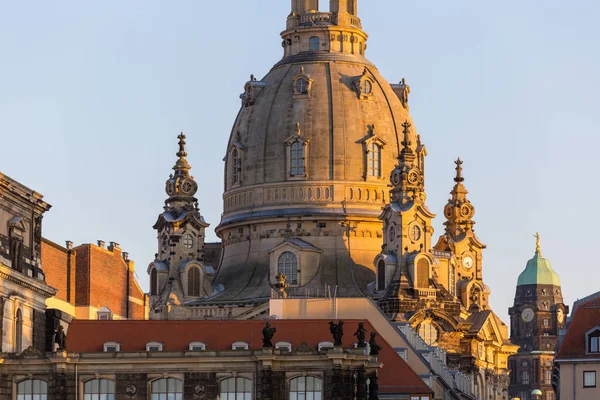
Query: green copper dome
(538, 271)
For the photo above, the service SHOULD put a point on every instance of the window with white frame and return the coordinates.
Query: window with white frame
(589, 379)
(240, 346)
(99, 389)
(283, 346)
(32, 389)
(593, 341)
(374, 160)
(325, 346)
(112, 347)
(167, 389)
(236, 389)
(306, 388)
(154, 346)
(197, 346)
(287, 264)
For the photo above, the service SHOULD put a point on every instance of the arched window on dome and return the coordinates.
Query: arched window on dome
(381, 275)
(19, 331)
(374, 160)
(236, 166)
(287, 264)
(297, 164)
(193, 282)
(153, 282)
(314, 43)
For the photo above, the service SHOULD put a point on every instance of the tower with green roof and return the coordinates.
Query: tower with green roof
(537, 315)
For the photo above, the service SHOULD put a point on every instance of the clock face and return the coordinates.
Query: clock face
(188, 242)
(467, 262)
(560, 315)
(415, 233)
(448, 211)
(188, 187)
(170, 188)
(465, 211)
(413, 177)
(527, 315)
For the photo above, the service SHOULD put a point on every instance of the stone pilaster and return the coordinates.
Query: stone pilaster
(200, 385)
(132, 387)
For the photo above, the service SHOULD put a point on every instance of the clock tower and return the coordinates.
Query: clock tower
(536, 317)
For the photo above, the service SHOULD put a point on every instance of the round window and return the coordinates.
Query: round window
(301, 86)
(392, 233)
(366, 87)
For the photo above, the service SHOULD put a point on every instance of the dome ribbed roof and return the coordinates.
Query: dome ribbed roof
(538, 272)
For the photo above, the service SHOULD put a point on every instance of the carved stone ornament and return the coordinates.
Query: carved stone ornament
(199, 390)
(131, 390)
(31, 352)
(305, 348)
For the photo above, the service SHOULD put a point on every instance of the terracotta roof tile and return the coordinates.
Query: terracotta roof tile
(586, 317)
(86, 336)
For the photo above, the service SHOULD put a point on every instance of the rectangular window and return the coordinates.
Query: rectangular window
(589, 379)
(594, 344)
(546, 322)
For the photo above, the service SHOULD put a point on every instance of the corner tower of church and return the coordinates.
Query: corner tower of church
(307, 163)
(178, 274)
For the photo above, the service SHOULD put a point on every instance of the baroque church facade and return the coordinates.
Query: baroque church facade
(321, 145)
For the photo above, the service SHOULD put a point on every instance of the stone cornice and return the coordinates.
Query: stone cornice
(18, 278)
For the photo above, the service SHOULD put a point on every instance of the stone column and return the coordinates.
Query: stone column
(374, 387)
(361, 385)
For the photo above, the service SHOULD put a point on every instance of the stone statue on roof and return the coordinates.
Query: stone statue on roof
(268, 333)
(375, 348)
(361, 334)
(337, 331)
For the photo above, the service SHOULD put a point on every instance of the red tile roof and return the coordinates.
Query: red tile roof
(586, 317)
(86, 336)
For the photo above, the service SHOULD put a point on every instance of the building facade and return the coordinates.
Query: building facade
(577, 362)
(537, 316)
(282, 360)
(23, 287)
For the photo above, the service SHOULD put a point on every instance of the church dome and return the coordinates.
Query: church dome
(310, 153)
(538, 271)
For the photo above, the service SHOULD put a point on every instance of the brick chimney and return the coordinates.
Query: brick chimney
(101, 244)
(114, 246)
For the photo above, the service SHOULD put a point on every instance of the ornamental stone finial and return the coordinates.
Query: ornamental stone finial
(181, 153)
(459, 178)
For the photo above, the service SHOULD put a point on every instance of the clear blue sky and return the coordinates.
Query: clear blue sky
(94, 93)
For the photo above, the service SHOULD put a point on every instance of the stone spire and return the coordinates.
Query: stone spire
(181, 185)
(181, 167)
(459, 211)
(407, 179)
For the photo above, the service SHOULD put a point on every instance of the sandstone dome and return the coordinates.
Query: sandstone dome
(308, 163)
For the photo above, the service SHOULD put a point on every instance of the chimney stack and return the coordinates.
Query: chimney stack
(125, 256)
(69, 245)
(113, 246)
(101, 244)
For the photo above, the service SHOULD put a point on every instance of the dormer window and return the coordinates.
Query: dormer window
(104, 314)
(240, 346)
(197, 346)
(364, 85)
(297, 149)
(373, 149)
(154, 347)
(374, 160)
(324, 346)
(235, 161)
(236, 166)
(112, 347)
(284, 346)
(593, 340)
(302, 85)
